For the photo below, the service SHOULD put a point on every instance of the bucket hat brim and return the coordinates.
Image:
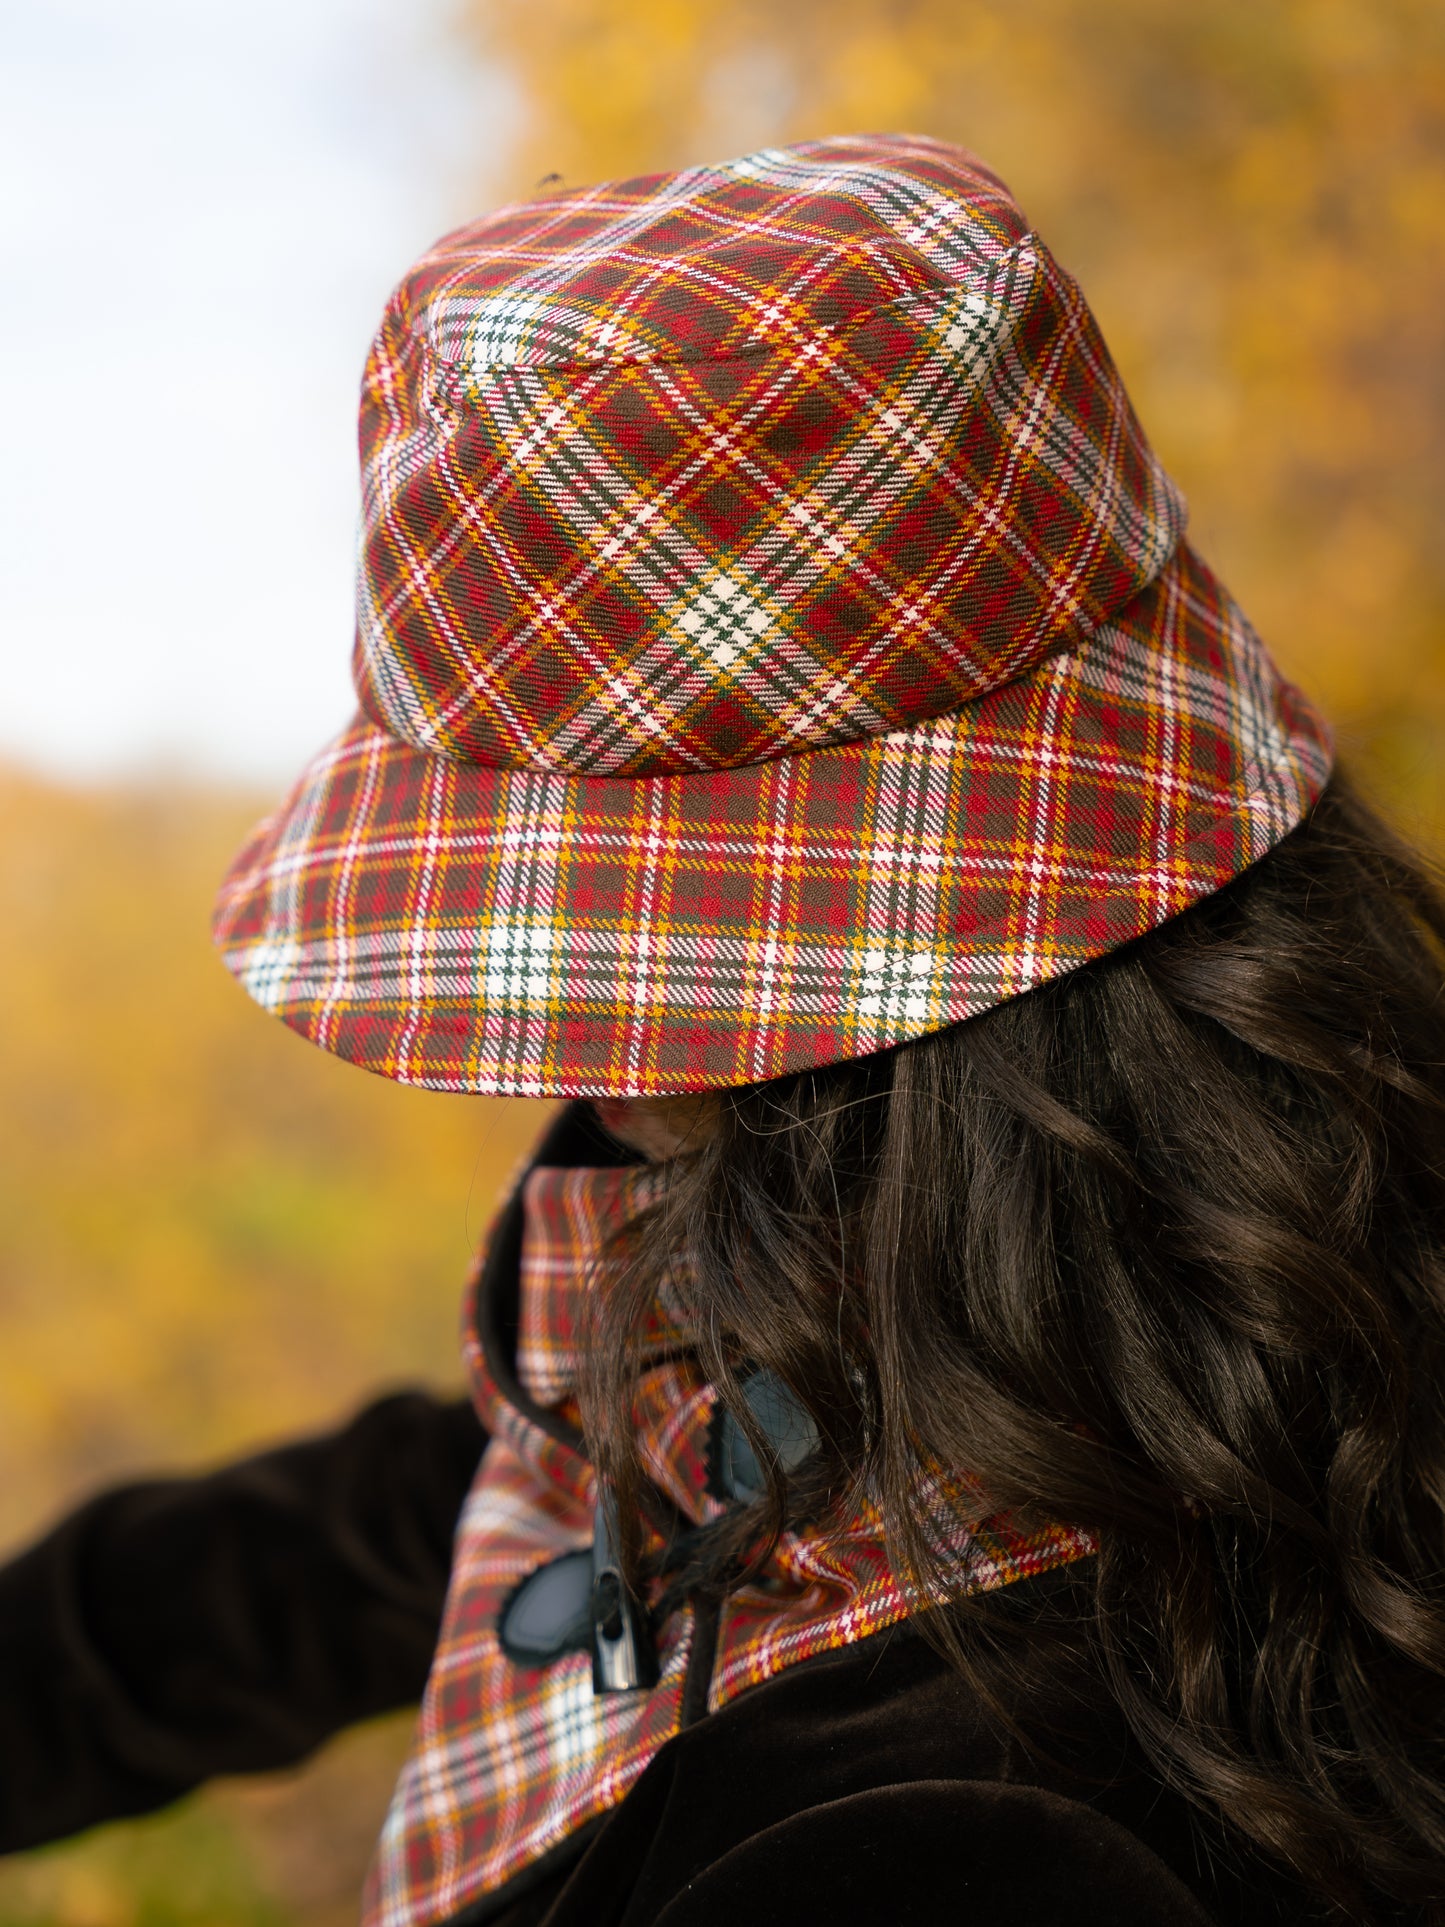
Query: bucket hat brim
(471, 928)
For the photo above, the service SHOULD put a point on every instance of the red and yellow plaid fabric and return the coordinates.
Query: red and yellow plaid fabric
(688, 472)
(509, 1760)
(774, 642)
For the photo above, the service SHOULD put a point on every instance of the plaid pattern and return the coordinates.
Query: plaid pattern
(682, 474)
(567, 1217)
(774, 642)
(509, 1760)
(469, 928)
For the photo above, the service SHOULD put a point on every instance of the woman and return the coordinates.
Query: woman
(960, 1380)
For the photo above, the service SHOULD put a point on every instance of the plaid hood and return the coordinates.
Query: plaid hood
(511, 1758)
(775, 640)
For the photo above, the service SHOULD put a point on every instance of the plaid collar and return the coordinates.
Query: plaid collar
(509, 1760)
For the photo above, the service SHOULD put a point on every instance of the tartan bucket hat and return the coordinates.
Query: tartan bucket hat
(775, 640)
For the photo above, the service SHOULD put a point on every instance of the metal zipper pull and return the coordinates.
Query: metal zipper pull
(623, 1657)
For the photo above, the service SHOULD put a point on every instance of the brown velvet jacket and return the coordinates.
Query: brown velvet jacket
(171, 1631)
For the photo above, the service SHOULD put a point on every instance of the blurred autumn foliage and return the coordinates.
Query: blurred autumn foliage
(211, 1234)
(1252, 194)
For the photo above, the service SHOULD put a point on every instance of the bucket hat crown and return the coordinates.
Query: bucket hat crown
(775, 639)
(722, 466)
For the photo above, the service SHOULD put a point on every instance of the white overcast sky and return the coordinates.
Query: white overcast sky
(202, 209)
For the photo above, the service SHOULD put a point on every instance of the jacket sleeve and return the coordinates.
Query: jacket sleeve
(169, 1631)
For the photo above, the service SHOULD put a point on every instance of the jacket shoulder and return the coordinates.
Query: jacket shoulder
(940, 1850)
(872, 1785)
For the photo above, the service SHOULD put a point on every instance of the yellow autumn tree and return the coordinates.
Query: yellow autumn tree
(1252, 193)
(210, 1233)
(211, 1236)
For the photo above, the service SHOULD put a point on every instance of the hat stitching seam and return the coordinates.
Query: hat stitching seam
(444, 367)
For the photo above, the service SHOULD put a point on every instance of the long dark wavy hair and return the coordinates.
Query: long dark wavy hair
(1156, 1249)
